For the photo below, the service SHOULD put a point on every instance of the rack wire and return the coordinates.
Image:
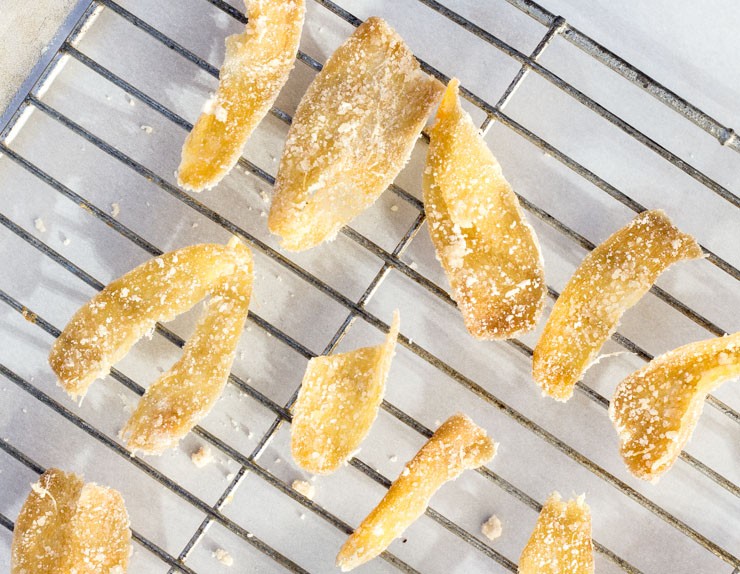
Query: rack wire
(391, 260)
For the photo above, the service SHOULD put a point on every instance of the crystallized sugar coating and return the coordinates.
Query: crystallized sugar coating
(486, 247)
(611, 279)
(255, 68)
(459, 444)
(561, 541)
(68, 526)
(353, 131)
(102, 332)
(338, 403)
(656, 409)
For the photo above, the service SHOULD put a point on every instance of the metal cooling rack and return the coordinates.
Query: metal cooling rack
(100, 116)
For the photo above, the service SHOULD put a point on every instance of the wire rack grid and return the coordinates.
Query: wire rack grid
(100, 129)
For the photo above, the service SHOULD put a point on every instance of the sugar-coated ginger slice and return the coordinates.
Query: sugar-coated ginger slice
(68, 526)
(338, 403)
(459, 444)
(488, 250)
(353, 131)
(561, 541)
(256, 66)
(104, 329)
(656, 409)
(610, 280)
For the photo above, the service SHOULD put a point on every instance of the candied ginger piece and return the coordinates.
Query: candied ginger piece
(656, 409)
(488, 250)
(610, 280)
(256, 66)
(459, 444)
(561, 541)
(353, 131)
(338, 403)
(103, 330)
(68, 526)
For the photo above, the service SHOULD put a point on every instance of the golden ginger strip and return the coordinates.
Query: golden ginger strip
(68, 526)
(256, 66)
(458, 444)
(610, 280)
(488, 250)
(338, 403)
(103, 331)
(561, 541)
(353, 131)
(184, 395)
(656, 409)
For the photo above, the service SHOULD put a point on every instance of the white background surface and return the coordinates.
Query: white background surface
(689, 48)
(25, 29)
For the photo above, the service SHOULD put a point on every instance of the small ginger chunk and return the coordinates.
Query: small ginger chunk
(103, 330)
(492, 528)
(256, 66)
(202, 457)
(223, 557)
(488, 250)
(353, 131)
(305, 488)
(459, 444)
(656, 409)
(68, 526)
(561, 541)
(610, 280)
(338, 403)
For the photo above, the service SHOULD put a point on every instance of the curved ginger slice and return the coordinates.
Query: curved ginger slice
(102, 332)
(458, 444)
(68, 526)
(338, 403)
(656, 409)
(611, 279)
(489, 252)
(353, 131)
(255, 68)
(561, 541)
